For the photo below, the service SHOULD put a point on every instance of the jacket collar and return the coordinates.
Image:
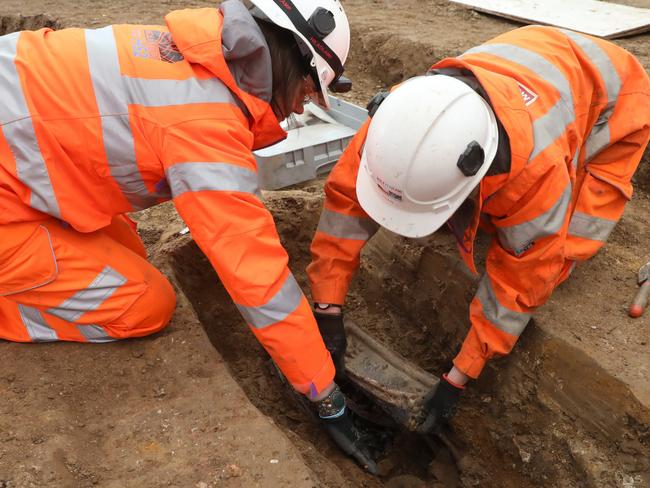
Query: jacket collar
(245, 50)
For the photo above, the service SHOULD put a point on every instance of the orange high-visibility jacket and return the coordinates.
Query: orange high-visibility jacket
(576, 111)
(99, 122)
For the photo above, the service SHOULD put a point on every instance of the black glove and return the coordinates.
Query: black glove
(337, 420)
(441, 405)
(333, 334)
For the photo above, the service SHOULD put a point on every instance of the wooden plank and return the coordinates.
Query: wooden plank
(602, 19)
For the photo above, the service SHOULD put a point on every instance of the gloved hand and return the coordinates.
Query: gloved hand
(333, 333)
(441, 405)
(337, 420)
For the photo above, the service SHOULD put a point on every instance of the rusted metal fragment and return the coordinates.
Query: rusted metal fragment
(395, 384)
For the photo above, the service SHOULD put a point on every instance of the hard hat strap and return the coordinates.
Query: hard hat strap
(315, 40)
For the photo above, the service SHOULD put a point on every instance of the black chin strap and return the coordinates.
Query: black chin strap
(316, 41)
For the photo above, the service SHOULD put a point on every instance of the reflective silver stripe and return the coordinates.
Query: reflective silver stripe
(590, 227)
(549, 127)
(159, 93)
(36, 325)
(14, 106)
(110, 93)
(95, 333)
(553, 124)
(602, 61)
(599, 138)
(517, 238)
(346, 226)
(18, 129)
(503, 318)
(576, 158)
(115, 92)
(184, 177)
(278, 308)
(90, 298)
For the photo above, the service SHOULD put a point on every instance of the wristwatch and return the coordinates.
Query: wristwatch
(333, 405)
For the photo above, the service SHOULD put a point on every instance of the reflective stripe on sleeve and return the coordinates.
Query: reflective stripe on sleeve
(602, 62)
(160, 93)
(95, 333)
(110, 93)
(590, 227)
(501, 317)
(18, 129)
(36, 325)
(576, 158)
(90, 298)
(344, 226)
(518, 237)
(184, 177)
(278, 308)
(553, 124)
(599, 138)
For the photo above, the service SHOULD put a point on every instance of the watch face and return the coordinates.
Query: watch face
(332, 405)
(338, 399)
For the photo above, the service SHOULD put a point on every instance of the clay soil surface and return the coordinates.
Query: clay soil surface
(199, 404)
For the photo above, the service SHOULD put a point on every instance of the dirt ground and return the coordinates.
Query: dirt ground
(199, 405)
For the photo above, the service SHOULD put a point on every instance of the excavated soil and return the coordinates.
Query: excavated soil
(200, 404)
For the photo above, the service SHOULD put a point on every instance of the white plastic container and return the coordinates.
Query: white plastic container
(316, 139)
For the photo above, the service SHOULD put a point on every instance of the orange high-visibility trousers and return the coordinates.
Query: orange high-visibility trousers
(60, 284)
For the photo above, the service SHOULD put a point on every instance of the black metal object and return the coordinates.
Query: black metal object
(341, 85)
(322, 21)
(472, 159)
(393, 383)
(315, 39)
(376, 101)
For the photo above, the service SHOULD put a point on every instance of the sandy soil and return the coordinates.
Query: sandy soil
(199, 405)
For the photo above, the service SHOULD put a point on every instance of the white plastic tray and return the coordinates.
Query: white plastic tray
(316, 139)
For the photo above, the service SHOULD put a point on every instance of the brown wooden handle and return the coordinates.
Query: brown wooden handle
(640, 300)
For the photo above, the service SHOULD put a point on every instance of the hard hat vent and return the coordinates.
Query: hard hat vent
(472, 159)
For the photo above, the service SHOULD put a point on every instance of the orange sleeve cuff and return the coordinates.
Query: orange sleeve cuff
(470, 360)
(328, 292)
(320, 381)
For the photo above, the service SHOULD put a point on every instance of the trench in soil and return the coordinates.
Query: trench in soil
(415, 316)
(404, 453)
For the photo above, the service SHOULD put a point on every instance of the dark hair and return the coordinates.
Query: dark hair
(287, 63)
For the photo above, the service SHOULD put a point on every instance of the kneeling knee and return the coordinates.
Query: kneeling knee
(153, 310)
(162, 301)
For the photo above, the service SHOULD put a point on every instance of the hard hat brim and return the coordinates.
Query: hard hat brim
(378, 206)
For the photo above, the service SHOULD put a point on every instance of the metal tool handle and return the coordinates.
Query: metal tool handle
(641, 300)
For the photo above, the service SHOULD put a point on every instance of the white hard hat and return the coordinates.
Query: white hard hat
(428, 146)
(324, 32)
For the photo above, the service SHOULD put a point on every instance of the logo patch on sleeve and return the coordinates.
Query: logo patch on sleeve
(157, 45)
(527, 94)
(524, 248)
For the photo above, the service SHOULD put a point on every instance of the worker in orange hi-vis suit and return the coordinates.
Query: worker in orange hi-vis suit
(95, 123)
(534, 135)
